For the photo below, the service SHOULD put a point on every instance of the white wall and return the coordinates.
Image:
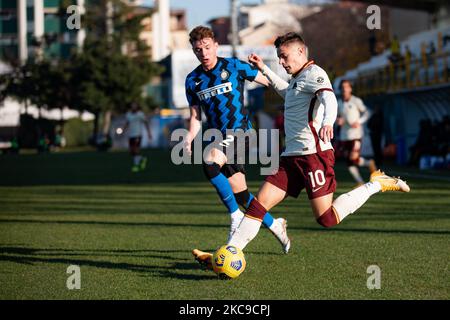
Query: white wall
(11, 109)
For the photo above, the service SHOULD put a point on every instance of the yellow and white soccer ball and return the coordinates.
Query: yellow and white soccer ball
(228, 262)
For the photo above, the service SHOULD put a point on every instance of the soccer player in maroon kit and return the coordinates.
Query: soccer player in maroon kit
(308, 161)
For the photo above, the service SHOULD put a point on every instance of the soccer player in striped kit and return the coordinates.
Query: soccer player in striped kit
(216, 86)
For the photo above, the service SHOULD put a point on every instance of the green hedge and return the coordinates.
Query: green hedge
(77, 132)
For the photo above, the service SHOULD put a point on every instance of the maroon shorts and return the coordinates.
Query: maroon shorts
(133, 143)
(315, 172)
(349, 147)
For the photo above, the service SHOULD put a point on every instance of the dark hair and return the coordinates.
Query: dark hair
(344, 81)
(201, 32)
(135, 104)
(288, 38)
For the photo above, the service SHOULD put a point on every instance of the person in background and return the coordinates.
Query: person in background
(352, 114)
(135, 121)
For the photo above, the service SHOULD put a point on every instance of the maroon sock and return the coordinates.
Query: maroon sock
(256, 210)
(328, 219)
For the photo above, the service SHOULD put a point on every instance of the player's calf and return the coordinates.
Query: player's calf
(276, 226)
(250, 225)
(353, 159)
(349, 202)
(244, 198)
(223, 188)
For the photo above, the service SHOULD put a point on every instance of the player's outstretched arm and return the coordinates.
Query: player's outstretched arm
(262, 80)
(328, 99)
(267, 76)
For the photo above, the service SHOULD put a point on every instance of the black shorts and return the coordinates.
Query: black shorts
(239, 156)
(134, 145)
(134, 142)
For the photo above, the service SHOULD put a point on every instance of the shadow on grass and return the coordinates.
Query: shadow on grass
(32, 256)
(115, 223)
(205, 225)
(97, 168)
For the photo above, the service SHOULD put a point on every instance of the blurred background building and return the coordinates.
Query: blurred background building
(26, 25)
(402, 68)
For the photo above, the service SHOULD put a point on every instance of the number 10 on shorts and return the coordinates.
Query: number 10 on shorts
(317, 179)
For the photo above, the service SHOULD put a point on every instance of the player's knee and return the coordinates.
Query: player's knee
(211, 170)
(242, 198)
(353, 161)
(328, 219)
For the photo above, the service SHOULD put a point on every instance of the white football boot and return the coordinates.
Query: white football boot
(279, 229)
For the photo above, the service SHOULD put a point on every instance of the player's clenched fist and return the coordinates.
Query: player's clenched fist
(256, 60)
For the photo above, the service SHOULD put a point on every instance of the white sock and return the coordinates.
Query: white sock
(247, 230)
(237, 215)
(236, 218)
(355, 174)
(363, 162)
(137, 160)
(275, 226)
(349, 202)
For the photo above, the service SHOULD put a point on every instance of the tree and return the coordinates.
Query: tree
(109, 78)
(101, 78)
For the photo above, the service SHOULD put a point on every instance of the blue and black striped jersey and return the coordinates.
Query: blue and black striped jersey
(220, 93)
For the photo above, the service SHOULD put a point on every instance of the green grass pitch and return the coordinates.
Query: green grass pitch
(132, 235)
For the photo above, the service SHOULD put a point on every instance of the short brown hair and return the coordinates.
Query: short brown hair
(289, 38)
(344, 81)
(199, 33)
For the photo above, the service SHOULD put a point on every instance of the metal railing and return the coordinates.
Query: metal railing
(406, 74)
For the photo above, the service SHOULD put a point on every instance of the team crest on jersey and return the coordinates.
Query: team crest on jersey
(320, 80)
(299, 85)
(224, 74)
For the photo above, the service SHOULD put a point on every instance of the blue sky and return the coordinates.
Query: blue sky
(200, 11)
